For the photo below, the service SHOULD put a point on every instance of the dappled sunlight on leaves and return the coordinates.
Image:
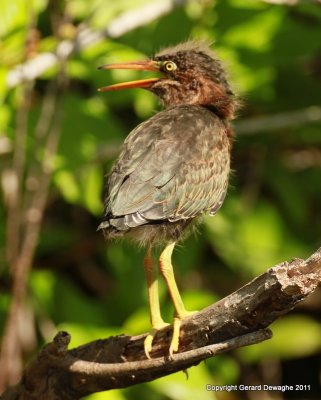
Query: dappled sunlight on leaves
(272, 211)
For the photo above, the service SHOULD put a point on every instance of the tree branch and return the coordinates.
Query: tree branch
(290, 2)
(86, 37)
(283, 120)
(239, 319)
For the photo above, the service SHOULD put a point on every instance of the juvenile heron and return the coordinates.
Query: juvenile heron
(174, 167)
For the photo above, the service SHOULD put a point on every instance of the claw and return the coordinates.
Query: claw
(148, 342)
(173, 348)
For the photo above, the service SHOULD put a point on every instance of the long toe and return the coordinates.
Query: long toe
(173, 348)
(148, 342)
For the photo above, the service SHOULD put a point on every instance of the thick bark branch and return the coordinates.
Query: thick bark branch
(237, 320)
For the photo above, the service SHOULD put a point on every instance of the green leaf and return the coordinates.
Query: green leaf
(177, 387)
(92, 187)
(109, 395)
(68, 185)
(294, 336)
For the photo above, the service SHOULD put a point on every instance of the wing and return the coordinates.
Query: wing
(174, 166)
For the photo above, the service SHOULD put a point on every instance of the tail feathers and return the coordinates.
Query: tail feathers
(124, 222)
(103, 225)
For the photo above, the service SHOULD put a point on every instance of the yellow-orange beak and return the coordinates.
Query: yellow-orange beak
(148, 65)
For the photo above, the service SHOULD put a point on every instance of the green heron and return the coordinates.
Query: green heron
(174, 167)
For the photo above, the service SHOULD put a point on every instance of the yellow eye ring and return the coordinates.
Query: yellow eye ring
(169, 66)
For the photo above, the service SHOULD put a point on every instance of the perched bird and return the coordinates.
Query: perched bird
(175, 166)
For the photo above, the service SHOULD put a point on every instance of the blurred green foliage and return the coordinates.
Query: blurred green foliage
(272, 212)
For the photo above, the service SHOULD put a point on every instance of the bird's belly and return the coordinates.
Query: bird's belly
(161, 233)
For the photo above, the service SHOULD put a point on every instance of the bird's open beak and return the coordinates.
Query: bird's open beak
(148, 65)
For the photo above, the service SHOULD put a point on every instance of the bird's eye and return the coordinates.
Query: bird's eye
(169, 66)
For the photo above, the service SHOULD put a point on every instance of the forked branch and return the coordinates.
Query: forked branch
(239, 319)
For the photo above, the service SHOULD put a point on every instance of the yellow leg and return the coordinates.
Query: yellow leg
(166, 269)
(155, 314)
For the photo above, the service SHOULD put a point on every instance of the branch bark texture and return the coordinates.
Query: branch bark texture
(239, 319)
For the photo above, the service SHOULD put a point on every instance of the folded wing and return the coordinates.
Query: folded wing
(171, 168)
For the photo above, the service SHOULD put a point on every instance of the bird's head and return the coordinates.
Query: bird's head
(191, 75)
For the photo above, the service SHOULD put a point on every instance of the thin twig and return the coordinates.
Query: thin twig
(290, 2)
(10, 361)
(279, 121)
(177, 361)
(10, 354)
(86, 37)
(14, 187)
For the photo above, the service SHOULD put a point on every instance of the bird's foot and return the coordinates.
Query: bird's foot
(173, 348)
(150, 337)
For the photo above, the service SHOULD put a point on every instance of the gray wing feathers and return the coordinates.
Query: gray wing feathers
(166, 179)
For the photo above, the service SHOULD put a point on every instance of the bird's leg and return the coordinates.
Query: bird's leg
(166, 268)
(155, 314)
